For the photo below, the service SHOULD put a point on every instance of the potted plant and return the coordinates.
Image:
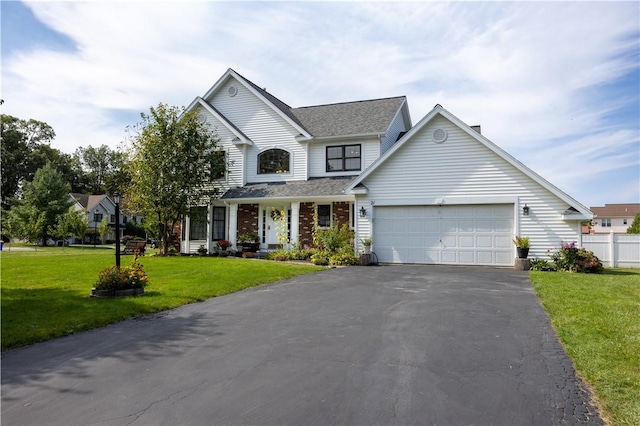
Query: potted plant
(366, 243)
(522, 246)
(222, 246)
(202, 250)
(249, 242)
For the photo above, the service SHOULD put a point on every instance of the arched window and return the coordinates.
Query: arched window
(273, 161)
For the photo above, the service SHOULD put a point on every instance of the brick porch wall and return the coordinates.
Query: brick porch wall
(248, 218)
(305, 235)
(305, 230)
(341, 213)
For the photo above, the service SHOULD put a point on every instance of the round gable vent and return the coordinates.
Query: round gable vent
(233, 90)
(202, 118)
(439, 135)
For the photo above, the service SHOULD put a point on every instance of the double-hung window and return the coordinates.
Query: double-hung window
(324, 215)
(218, 223)
(606, 223)
(343, 158)
(218, 166)
(198, 223)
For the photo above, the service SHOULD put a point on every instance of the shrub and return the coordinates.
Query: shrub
(114, 278)
(573, 259)
(542, 265)
(320, 258)
(344, 257)
(334, 239)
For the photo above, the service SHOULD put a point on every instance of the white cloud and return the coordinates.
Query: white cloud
(532, 73)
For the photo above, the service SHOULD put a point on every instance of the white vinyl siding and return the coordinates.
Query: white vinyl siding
(265, 127)
(461, 169)
(233, 154)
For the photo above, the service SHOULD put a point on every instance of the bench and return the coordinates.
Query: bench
(132, 246)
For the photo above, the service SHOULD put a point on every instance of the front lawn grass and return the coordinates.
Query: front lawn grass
(597, 318)
(45, 292)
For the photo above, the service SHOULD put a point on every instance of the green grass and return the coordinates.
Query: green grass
(45, 292)
(597, 318)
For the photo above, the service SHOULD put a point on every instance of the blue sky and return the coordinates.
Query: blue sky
(555, 84)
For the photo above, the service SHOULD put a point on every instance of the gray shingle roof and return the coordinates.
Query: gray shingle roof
(310, 188)
(341, 119)
(349, 118)
(286, 109)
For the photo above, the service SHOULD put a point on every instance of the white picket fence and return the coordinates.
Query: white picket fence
(615, 250)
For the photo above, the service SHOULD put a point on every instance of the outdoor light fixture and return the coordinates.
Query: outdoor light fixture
(525, 210)
(363, 212)
(116, 199)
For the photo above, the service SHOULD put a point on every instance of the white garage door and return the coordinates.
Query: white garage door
(465, 235)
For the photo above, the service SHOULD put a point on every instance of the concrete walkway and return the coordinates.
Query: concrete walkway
(349, 346)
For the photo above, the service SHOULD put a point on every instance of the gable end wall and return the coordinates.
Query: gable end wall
(421, 172)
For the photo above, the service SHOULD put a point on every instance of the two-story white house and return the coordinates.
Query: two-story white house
(616, 218)
(437, 192)
(97, 207)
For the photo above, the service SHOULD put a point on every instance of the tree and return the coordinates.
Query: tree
(45, 199)
(635, 225)
(104, 229)
(74, 224)
(102, 168)
(173, 161)
(18, 139)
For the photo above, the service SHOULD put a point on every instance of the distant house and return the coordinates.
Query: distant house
(437, 192)
(616, 218)
(97, 207)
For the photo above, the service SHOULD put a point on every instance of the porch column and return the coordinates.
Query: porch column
(233, 223)
(295, 222)
(210, 244)
(187, 242)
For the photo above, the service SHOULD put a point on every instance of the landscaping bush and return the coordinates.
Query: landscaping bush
(114, 278)
(573, 259)
(344, 257)
(320, 259)
(542, 265)
(334, 239)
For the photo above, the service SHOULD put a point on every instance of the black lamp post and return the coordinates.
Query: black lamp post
(116, 199)
(95, 226)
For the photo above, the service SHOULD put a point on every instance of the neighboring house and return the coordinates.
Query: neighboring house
(97, 207)
(614, 218)
(438, 192)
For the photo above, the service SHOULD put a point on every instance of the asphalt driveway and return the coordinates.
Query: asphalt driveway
(426, 345)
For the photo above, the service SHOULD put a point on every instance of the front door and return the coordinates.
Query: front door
(274, 225)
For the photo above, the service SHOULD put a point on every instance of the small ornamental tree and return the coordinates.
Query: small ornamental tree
(174, 161)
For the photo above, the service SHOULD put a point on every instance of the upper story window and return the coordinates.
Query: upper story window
(273, 161)
(606, 223)
(97, 217)
(343, 158)
(218, 166)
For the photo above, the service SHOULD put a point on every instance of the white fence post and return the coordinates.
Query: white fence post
(614, 250)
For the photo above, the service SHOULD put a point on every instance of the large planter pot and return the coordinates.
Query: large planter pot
(116, 293)
(249, 247)
(522, 252)
(367, 249)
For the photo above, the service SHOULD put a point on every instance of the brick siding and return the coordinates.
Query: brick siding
(248, 218)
